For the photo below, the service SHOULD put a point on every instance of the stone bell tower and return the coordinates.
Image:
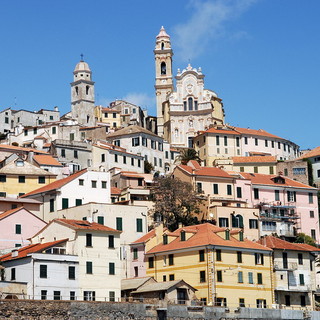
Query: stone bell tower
(164, 81)
(82, 95)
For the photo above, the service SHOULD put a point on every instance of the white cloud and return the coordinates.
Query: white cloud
(207, 23)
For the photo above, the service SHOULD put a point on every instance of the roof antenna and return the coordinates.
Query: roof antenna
(81, 57)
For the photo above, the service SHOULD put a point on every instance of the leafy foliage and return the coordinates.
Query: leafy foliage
(188, 154)
(175, 202)
(304, 238)
(148, 167)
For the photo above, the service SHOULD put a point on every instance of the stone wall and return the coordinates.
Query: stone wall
(74, 310)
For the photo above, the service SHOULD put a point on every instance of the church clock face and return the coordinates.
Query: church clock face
(164, 81)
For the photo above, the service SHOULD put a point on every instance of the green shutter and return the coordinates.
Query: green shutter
(78, 202)
(139, 225)
(101, 220)
(89, 267)
(111, 268)
(18, 228)
(240, 277)
(65, 203)
(259, 275)
(119, 223)
(250, 277)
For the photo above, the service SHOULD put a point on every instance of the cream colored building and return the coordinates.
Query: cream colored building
(190, 108)
(108, 116)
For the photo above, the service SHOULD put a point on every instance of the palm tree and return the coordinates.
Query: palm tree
(188, 154)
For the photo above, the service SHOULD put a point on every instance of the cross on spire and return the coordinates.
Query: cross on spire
(81, 57)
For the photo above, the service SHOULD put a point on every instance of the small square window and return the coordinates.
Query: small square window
(22, 179)
(41, 180)
(81, 182)
(93, 183)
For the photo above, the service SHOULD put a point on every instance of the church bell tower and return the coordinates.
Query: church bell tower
(82, 95)
(164, 81)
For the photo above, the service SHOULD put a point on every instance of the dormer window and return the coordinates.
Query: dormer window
(279, 180)
(19, 163)
(227, 234)
(165, 239)
(241, 235)
(183, 236)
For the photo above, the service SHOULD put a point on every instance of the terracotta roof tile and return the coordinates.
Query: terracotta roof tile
(9, 212)
(313, 153)
(44, 159)
(205, 171)
(222, 131)
(146, 237)
(276, 243)
(40, 137)
(206, 235)
(258, 178)
(33, 248)
(115, 190)
(254, 159)
(14, 148)
(259, 132)
(56, 184)
(85, 225)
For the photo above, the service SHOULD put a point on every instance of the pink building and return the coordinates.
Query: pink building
(17, 226)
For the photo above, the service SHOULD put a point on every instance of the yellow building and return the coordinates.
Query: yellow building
(19, 177)
(225, 268)
(108, 116)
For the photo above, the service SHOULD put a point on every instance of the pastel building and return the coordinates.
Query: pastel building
(314, 157)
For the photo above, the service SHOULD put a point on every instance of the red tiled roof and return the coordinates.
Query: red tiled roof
(44, 159)
(32, 248)
(115, 190)
(258, 132)
(146, 237)
(9, 212)
(131, 174)
(206, 234)
(14, 148)
(40, 137)
(312, 153)
(195, 164)
(276, 243)
(205, 171)
(56, 184)
(223, 131)
(85, 225)
(258, 178)
(110, 110)
(254, 159)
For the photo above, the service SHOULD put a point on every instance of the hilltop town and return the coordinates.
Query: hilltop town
(109, 203)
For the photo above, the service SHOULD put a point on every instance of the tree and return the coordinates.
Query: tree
(188, 154)
(148, 167)
(304, 238)
(310, 172)
(175, 202)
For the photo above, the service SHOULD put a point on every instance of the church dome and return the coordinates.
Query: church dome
(82, 66)
(162, 33)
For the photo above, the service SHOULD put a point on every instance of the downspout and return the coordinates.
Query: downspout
(272, 279)
(32, 278)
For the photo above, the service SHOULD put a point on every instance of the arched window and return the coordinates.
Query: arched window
(77, 90)
(88, 118)
(87, 89)
(237, 221)
(190, 104)
(163, 68)
(162, 46)
(176, 133)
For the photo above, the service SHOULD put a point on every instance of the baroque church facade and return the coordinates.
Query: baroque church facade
(188, 108)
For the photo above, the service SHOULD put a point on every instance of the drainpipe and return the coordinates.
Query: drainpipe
(32, 278)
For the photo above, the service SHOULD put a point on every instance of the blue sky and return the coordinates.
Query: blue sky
(262, 57)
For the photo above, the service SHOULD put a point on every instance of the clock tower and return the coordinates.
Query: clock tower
(164, 81)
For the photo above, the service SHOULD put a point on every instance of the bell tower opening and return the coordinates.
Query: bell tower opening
(163, 68)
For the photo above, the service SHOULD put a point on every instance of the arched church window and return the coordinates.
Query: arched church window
(77, 90)
(162, 46)
(87, 89)
(191, 123)
(176, 133)
(163, 68)
(190, 103)
(195, 105)
(185, 105)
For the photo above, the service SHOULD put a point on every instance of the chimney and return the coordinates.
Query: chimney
(159, 232)
(56, 108)
(14, 253)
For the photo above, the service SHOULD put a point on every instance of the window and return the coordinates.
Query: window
(78, 202)
(114, 115)
(43, 294)
(93, 183)
(51, 205)
(218, 255)
(303, 301)
(139, 163)
(300, 258)
(291, 195)
(237, 221)
(112, 296)
(65, 203)
(72, 272)
(271, 171)
(256, 141)
(239, 192)
(183, 236)
(103, 157)
(3, 178)
(18, 228)
(165, 239)
(43, 271)
(22, 179)
(89, 295)
(100, 220)
(72, 295)
(229, 189)
(201, 256)
(266, 143)
(202, 276)
(160, 146)
(164, 278)
(215, 188)
(104, 184)
(250, 277)
(111, 268)
(81, 182)
(310, 197)
(259, 278)
(301, 279)
(261, 303)
(239, 256)
(71, 137)
(224, 222)
(13, 273)
(285, 260)
(56, 295)
(139, 225)
(25, 132)
(241, 169)
(227, 234)
(135, 141)
(258, 258)
(217, 140)
(237, 141)
(245, 140)
(89, 267)
(256, 193)
(219, 276)
(199, 187)
(171, 260)
(313, 234)
(279, 145)
(119, 223)
(115, 158)
(225, 140)
(242, 303)
(111, 241)
(253, 223)
(41, 179)
(135, 253)
(63, 153)
(300, 171)
(276, 195)
(88, 240)
(240, 277)
(171, 277)
(151, 262)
